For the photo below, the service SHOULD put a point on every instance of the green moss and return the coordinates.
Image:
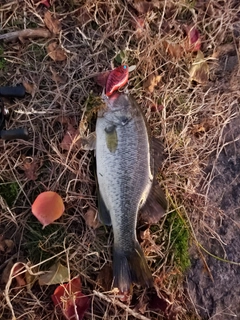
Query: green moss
(9, 192)
(179, 240)
(2, 60)
(41, 244)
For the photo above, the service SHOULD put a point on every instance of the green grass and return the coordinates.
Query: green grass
(9, 192)
(41, 244)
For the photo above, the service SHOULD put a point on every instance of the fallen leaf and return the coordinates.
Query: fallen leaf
(31, 166)
(48, 207)
(173, 49)
(199, 70)
(83, 15)
(56, 274)
(104, 278)
(56, 52)
(29, 87)
(52, 23)
(70, 138)
(101, 78)
(71, 300)
(138, 24)
(193, 41)
(151, 82)
(56, 77)
(6, 245)
(142, 6)
(91, 218)
(18, 275)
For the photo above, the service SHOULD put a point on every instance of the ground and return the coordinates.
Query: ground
(187, 84)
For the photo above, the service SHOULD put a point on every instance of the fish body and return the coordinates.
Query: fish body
(125, 178)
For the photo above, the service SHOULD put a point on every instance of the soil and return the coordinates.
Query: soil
(216, 292)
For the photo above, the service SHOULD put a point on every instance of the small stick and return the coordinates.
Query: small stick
(121, 305)
(26, 34)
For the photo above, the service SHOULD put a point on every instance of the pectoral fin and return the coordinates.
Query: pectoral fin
(111, 138)
(103, 212)
(89, 142)
(155, 206)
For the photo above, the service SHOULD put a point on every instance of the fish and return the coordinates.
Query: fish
(126, 183)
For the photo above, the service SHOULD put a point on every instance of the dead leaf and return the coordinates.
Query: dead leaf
(56, 274)
(52, 23)
(151, 82)
(31, 166)
(6, 245)
(142, 6)
(56, 52)
(175, 50)
(48, 207)
(30, 87)
(43, 2)
(193, 41)
(104, 278)
(83, 15)
(19, 274)
(70, 139)
(71, 300)
(199, 70)
(56, 77)
(91, 218)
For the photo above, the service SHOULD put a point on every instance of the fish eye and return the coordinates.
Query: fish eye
(124, 67)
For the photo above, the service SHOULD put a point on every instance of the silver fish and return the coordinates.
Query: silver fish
(125, 178)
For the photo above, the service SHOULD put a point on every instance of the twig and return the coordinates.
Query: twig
(26, 34)
(121, 305)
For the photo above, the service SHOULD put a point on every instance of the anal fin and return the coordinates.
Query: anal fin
(155, 206)
(103, 212)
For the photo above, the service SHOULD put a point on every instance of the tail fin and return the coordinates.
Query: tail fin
(130, 266)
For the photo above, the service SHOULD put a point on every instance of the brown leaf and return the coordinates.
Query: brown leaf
(56, 77)
(70, 139)
(143, 6)
(30, 166)
(174, 49)
(56, 52)
(151, 82)
(48, 207)
(199, 70)
(104, 278)
(29, 87)
(91, 218)
(6, 245)
(52, 23)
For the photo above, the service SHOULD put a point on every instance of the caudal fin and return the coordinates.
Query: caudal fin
(130, 266)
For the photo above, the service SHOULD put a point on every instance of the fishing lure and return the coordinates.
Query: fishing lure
(117, 78)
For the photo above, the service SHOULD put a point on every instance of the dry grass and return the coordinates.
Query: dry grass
(94, 33)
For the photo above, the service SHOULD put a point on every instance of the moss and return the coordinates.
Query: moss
(179, 240)
(41, 244)
(9, 192)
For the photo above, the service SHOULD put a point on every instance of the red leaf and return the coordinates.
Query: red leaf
(117, 78)
(71, 300)
(194, 41)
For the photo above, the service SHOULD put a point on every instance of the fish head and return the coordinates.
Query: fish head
(117, 101)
